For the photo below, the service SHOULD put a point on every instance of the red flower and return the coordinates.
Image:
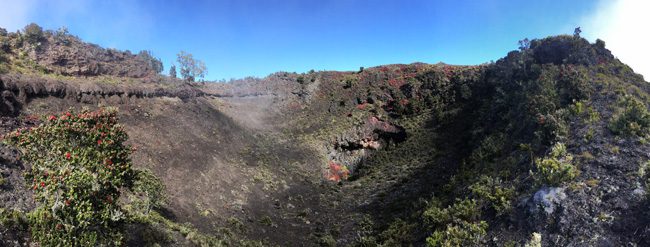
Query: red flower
(42, 184)
(51, 118)
(109, 162)
(68, 114)
(67, 202)
(99, 142)
(67, 155)
(337, 172)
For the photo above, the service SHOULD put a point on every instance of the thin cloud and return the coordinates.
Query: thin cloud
(622, 25)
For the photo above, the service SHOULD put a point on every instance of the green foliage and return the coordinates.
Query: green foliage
(584, 111)
(489, 149)
(497, 195)
(62, 36)
(190, 233)
(572, 84)
(151, 61)
(633, 120)
(455, 225)
(148, 192)
(327, 241)
(590, 134)
(79, 165)
(266, 220)
(644, 169)
(190, 68)
(172, 71)
(398, 234)
(13, 219)
(644, 174)
(461, 234)
(556, 168)
(33, 33)
(462, 210)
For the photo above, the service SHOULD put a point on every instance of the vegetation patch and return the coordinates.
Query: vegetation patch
(634, 119)
(455, 225)
(495, 192)
(556, 168)
(13, 219)
(79, 164)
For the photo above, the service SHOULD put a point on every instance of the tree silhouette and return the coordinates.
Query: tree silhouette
(190, 67)
(172, 71)
(576, 32)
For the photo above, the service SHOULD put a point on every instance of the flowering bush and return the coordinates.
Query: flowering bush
(79, 163)
(337, 172)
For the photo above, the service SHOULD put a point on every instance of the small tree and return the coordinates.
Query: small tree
(524, 44)
(33, 33)
(172, 71)
(153, 62)
(576, 32)
(190, 67)
(62, 31)
(62, 35)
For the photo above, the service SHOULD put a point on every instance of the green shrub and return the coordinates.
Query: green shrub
(33, 33)
(13, 219)
(151, 61)
(495, 193)
(327, 241)
(587, 113)
(456, 225)
(149, 192)
(462, 234)
(556, 168)
(79, 165)
(462, 210)
(633, 120)
(398, 234)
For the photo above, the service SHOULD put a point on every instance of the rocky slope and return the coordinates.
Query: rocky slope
(549, 141)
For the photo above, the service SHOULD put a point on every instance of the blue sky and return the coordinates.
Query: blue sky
(254, 38)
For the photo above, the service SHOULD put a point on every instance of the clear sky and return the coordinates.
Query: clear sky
(238, 38)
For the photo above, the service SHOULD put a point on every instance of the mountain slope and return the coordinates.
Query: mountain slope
(551, 139)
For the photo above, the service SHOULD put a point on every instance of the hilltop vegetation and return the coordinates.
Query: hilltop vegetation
(548, 145)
